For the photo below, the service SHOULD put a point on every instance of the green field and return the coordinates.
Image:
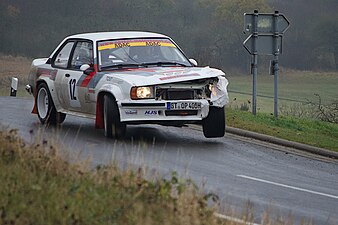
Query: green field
(296, 120)
(295, 88)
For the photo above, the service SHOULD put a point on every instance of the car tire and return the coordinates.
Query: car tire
(214, 123)
(113, 128)
(46, 111)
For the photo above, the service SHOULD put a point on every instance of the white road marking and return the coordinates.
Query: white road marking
(288, 186)
(233, 219)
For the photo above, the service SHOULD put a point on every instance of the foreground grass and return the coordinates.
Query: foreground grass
(307, 131)
(39, 187)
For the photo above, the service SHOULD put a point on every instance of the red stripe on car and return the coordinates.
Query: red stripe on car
(88, 78)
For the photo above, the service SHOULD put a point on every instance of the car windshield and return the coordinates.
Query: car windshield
(139, 53)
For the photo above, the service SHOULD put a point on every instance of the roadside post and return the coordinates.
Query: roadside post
(266, 32)
(14, 86)
(275, 62)
(255, 62)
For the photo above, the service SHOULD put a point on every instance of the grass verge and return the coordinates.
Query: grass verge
(306, 131)
(39, 187)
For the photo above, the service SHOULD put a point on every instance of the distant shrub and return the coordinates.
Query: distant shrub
(244, 107)
(327, 113)
(312, 109)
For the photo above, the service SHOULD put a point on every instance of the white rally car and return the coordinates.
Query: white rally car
(120, 78)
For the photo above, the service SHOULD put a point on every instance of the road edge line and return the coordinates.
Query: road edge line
(233, 219)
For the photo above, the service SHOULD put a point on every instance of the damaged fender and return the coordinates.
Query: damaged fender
(219, 95)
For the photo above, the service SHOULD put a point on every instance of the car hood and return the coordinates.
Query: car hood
(162, 75)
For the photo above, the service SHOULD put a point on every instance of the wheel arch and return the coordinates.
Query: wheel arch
(37, 83)
(99, 123)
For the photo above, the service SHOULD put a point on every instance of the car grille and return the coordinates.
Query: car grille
(188, 90)
(180, 94)
(176, 94)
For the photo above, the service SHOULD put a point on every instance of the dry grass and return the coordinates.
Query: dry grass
(14, 67)
(40, 186)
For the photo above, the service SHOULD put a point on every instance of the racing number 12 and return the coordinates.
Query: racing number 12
(72, 85)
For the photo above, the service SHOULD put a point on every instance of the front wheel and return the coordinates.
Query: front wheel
(214, 123)
(45, 107)
(113, 128)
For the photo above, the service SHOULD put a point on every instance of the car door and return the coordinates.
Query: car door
(72, 96)
(78, 94)
(61, 63)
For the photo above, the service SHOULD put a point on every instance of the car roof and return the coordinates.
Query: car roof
(117, 35)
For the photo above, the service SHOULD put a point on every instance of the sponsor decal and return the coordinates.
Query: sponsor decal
(131, 112)
(122, 44)
(179, 76)
(135, 43)
(146, 70)
(151, 113)
(153, 43)
(173, 72)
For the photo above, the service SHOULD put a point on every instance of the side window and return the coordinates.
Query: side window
(62, 58)
(83, 54)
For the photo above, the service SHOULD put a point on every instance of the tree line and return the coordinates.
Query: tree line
(210, 31)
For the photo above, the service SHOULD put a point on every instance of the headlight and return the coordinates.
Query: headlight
(141, 92)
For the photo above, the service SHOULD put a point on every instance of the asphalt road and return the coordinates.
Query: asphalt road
(244, 173)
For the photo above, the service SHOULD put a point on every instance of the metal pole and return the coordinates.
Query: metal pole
(275, 62)
(254, 62)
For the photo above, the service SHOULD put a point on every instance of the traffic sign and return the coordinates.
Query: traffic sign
(265, 23)
(264, 44)
(266, 31)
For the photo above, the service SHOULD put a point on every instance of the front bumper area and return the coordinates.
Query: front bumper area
(153, 110)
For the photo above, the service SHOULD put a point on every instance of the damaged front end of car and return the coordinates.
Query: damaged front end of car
(212, 89)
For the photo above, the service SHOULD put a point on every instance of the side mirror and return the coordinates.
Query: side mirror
(193, 61)
(86, 69)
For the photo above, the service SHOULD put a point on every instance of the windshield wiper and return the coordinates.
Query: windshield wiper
(163, 63)
(122, 65)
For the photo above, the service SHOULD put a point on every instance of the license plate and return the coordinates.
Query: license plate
(183, 105)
